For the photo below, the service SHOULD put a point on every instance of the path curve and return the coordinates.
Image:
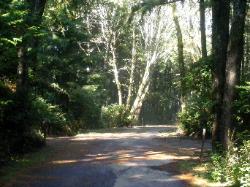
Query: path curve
(126, 157)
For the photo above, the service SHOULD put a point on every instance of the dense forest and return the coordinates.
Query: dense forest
(72, 65)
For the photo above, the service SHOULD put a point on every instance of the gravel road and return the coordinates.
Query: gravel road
(126, 157)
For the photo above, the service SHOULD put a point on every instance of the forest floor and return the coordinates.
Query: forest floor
(123, 157)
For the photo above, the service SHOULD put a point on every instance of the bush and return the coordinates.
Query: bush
(85, 112)
(196, 115)
(49, 117)
(234, 167)
(18, 133)
(116, 116)
(4, 142)
(242, 108)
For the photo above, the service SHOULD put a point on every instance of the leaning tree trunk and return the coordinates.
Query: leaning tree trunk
(180, 55)
(137, 110)
(234, 58)
(143, 88)
(220, 35)
(203, 29)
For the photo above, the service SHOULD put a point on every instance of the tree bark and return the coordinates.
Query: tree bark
(180, 47)
(35, 10)
(109, 36)
(22, 73)
(203, 29)
(137, 109)
(116, 74)
(234, 58)
(143, 88)
(132, 69)
(34, 18)
(245, 67)
(220, 35)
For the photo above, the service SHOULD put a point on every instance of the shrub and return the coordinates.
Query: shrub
(85, 112)
(49, 117)
(116, 116)
(196, 115)
(18, 133)
(234, 167)
(242, 108)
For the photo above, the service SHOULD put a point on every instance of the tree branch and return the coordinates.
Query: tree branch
(147, 5)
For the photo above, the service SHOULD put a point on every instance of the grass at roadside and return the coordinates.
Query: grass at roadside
(197, 168)
(199, 172)
(19, 164)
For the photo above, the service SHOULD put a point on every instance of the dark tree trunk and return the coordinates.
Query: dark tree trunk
(234, 58)
(180, 54)
(220, 35)
(36, 9)
(203, 29)
(245, 65)
(22, 73)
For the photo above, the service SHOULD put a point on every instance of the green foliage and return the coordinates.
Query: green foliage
(6, 101)
(218, 168)
(46, 114)
(161, 103)
(197, 113)
(233, 167)
(84, 110)
(196, 116)
(116, 116)
(20, 163)
(15, 138)
(242, 108)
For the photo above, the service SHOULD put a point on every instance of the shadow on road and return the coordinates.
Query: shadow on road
(123, 157)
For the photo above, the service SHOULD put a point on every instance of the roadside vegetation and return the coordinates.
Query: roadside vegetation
(19, 164)
(69, 66)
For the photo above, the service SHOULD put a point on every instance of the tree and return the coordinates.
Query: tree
(180, 48)
(147, 5)
(227, 56)
(110, 20)
(203, 28)
(232, 70)
(153, 36)
(220, 36)
(33, 19)
(132, 70)
(26, 52)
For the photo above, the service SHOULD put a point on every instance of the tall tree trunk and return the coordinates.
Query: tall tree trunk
(180, 55)
(137, 111)
(220, 35)
(203, 29)
(245, 67)
(22, 74)
(116, 71)
(234, 58)
(34, 18)
(143, 88)
(35, 10)
(131, 78)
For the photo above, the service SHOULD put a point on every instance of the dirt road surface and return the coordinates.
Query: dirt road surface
(126, 157)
